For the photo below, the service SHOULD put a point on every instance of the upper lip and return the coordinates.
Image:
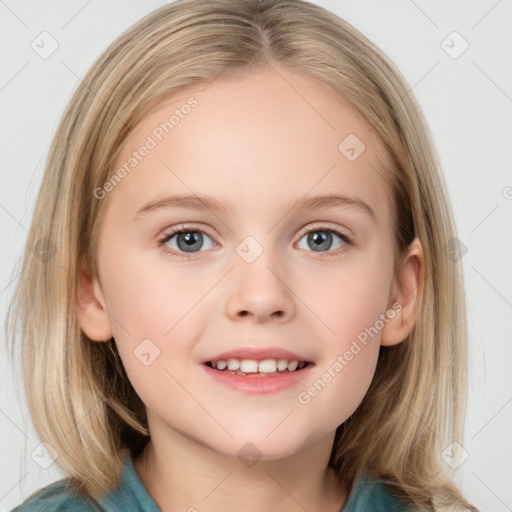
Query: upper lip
(257, 353)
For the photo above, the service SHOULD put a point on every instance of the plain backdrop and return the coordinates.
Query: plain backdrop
(456, 56)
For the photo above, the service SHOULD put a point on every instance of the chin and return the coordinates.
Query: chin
(260, 445)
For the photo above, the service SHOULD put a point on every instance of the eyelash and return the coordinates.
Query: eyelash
(195, 229)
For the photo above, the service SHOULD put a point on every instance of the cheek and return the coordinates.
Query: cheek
(154, 318)
(349, 298)
(149, 301)
(345, 372)
(349, 302)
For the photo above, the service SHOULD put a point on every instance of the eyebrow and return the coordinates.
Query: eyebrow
(185, 201)
(332, 201)
(205, 202)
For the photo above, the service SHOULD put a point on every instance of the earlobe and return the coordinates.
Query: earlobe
(90, 308)
(405, 296)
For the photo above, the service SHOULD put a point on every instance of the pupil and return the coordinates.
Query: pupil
(320, 240)
(192, 240)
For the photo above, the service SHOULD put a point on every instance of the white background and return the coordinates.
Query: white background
(468, 105)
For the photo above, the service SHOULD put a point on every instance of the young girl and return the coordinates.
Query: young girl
(239, 288)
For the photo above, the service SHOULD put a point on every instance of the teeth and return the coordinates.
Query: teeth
(267, 366)
(233, 364)
(248, 366)
(282, 364)
(292, 365)
(253, 366)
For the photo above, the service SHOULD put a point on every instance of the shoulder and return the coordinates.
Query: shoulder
(375, 495)
(57, 497)
(129, 495)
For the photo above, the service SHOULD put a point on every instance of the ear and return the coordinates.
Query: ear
(91, 312)
(405, 296)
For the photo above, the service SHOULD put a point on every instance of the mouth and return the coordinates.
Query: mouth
(258, 368)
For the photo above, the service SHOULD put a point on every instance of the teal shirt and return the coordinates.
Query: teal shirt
(131, 496)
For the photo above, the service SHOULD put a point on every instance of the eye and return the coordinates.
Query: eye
(186, 240)
(324, 240)
(194, 239)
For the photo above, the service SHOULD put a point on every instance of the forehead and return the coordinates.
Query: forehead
(272, 134)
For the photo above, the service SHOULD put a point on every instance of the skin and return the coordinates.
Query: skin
(265, 145)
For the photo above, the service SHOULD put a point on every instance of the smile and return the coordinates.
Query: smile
(257, 377)
(263, 368)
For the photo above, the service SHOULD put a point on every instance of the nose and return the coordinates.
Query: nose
(260, 292)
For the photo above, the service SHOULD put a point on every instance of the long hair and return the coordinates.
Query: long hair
(79, 396)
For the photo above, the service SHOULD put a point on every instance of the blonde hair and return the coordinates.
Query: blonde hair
(79, 396)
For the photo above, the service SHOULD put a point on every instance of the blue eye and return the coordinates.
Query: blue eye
(323, 240)
(186, 240)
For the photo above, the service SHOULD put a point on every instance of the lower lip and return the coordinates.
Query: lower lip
(256, 385)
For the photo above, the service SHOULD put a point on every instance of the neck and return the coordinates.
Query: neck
(181, 474)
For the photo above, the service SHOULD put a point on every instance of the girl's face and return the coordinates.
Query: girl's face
(265, 261)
